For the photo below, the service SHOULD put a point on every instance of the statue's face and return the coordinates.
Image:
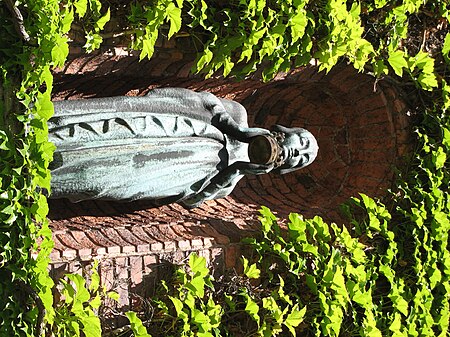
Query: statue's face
(299, 148)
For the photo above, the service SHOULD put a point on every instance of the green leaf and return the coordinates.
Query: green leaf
(427, 81)
(197, 286)
(91, 326)
(81, 7)
(148, 47)
(446, 138)
(446, 47)
(227, 66)
(298, 23)
(439, 158)
(199, 317)
(66, 22)
(113, 295)
(198, 265)
(136, 325)
(95, 302)
(95, 278)
(174, 15)
(252, 308)
(397, 60)
(82, 295)
(294, 318)
(60, 51)
(251, 271)
(204, 60)
(177, 304)
(100, 24)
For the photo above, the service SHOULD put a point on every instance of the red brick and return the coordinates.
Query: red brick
(55, 255)
(232, 256)
(170, 246)
(184, 245)
(343, 153)
(69, 254)
(136, 269)
(113, 249)
(128, 249)
(215, 235)
(195, 243)
(68, 241)
(143, 248)
(157, 246)
(369, 103)
(85, 254)
(150, 262)
(121, 279)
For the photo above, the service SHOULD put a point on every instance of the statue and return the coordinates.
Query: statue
(172, 145)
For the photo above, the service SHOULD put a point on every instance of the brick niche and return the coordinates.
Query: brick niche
(362, 131)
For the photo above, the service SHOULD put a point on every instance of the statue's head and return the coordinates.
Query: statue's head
(298, 148)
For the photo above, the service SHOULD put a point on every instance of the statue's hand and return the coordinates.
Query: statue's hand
(194, 201)
(251, 168)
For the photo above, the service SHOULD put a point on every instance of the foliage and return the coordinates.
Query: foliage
(386, 275)
(241, 36)
(191, 305)
(148, 18)
(76, 314)
(26, 86)
(315, 279)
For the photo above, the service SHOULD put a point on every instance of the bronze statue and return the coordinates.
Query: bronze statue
(172, 145)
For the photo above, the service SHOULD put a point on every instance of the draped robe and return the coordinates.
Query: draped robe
(165, 146)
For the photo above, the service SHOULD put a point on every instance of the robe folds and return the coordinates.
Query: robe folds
(167, 145)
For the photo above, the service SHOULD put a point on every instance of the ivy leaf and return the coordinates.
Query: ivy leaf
(91, 326)
(136, 325)
(177, 304)
(446, 138)
(95, 278)
(227, 66)
(446, 96)
(197, 286)
(204, 60)
(198, 265)
(174, 15)
(446, 47)
(81, 7)
(93, 41)
(427, 81)
(103, 20)
(199, 317)
(252, 308)
(251, 271)
(60, 51)
(439, 158)
(66, 22)
(82, 295)
(397, 60)
(298, 24)
(95, 302)
(294, 318)
(113, 295)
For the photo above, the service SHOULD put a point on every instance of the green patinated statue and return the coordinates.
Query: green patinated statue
(173, 145)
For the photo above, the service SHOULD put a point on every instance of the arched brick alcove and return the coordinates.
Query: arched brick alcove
(362, 133)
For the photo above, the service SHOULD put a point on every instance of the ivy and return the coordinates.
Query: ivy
(386, 273)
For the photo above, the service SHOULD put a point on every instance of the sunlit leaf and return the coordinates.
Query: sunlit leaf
(294, 318)
(397, 60)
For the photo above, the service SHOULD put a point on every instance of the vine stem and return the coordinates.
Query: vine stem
(40, 306)
(18, 20)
